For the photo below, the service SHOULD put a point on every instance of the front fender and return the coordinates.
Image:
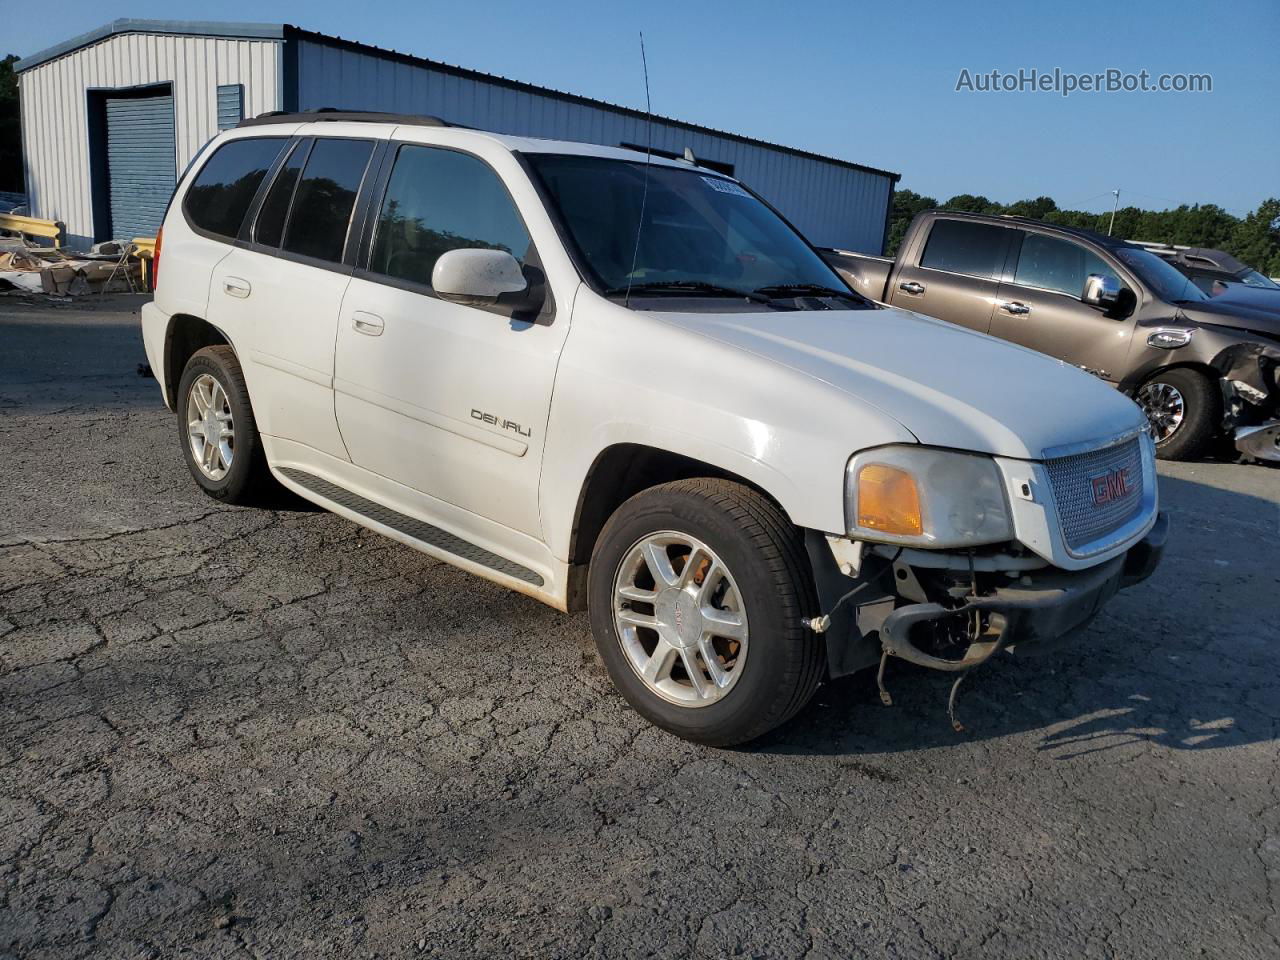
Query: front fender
(1236, 356)
(628, 378)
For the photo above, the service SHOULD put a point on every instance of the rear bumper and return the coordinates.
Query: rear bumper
(155, 325)
(1033, 614)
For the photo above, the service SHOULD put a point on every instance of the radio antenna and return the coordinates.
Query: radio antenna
(648, 155)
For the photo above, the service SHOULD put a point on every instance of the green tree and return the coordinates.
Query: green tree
(906, 204)
(972, 204)
(1036, 209)
(1256, 239)
(10, 128)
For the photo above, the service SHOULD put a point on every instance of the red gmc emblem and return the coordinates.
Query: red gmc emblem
(1110, 486)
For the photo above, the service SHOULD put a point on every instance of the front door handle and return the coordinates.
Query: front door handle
(912, 287)
(1013, 307)
(235, 287)
(369, 324)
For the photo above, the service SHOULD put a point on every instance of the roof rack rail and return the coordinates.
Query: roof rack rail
(334, 115)
(1156, 246)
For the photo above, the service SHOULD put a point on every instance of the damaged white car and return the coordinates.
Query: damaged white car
(626, 384)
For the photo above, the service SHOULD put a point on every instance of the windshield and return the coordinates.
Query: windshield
(1253, 278)
(702, 235)
(1165, 281)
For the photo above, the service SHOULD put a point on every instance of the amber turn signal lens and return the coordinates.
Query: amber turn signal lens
(888, 501)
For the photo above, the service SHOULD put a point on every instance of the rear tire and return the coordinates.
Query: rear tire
(1184, 408)
(738, 584)
(214, 415)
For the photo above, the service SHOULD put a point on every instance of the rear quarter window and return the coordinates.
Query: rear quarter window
(219, 197)
(973, 249)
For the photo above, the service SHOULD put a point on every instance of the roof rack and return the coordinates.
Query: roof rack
(1158, 247)
(334, 115)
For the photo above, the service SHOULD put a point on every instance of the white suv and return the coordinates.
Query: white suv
(626, 383)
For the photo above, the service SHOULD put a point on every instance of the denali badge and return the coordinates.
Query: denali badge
(499, 422)
(1110, 486)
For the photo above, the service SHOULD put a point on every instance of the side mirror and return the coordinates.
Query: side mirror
(1101, 290)
(477, 277)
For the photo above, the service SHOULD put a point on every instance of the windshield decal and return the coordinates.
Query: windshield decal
(726, 186)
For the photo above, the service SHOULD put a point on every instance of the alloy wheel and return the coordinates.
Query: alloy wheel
(1165, 408)
(210, 428)
(680, 619)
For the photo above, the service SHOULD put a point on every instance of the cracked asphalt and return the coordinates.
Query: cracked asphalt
(267, 733)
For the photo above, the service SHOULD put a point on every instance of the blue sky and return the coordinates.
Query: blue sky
(868, 82)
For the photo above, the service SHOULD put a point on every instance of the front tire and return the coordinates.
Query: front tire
(217, 430)
(696, 592)
(1184, 409)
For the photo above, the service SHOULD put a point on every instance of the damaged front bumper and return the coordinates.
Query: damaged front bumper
(1261, 442)
(1032, 613)
(1251, 398)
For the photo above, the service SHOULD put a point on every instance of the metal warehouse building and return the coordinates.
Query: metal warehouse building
(110, 118)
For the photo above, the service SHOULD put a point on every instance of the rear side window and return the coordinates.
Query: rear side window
(1059, 265)
(441, 200)
(325, 197)
(269, 228)
(219, 197)
(974, 249)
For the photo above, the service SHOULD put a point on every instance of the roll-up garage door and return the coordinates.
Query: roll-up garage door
(141, 163)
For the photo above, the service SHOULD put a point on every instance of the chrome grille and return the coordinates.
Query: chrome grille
(1091, 503)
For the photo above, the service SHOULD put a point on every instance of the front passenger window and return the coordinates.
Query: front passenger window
(439, 200)
(1059, 265)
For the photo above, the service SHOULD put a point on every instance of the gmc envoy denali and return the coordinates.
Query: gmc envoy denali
(626, 384)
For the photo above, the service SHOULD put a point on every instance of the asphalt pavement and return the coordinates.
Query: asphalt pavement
(269, 733)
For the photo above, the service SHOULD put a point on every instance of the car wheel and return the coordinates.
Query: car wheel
(217, 431)
(1184, 410)
(696, 592)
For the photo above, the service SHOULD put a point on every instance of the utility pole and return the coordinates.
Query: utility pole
(1114, 207)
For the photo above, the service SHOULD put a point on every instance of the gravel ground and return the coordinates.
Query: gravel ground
(235, 733)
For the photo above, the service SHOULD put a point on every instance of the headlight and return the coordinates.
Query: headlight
(924, 497)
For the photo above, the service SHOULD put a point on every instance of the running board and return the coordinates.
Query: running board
(417, 530)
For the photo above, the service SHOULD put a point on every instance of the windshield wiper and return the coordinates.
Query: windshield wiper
(694, 287)
(775, 290)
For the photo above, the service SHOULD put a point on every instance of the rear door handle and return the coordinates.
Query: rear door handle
(912, 287)
(369, 324)
(235, 287)
(1014, 307)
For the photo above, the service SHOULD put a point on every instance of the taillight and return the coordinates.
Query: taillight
(155, 260)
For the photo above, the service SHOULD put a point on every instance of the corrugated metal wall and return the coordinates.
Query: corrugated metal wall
(55, 108)
(831, 204)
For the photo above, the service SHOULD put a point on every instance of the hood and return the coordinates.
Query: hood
(947, 385)
(1240, 307)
